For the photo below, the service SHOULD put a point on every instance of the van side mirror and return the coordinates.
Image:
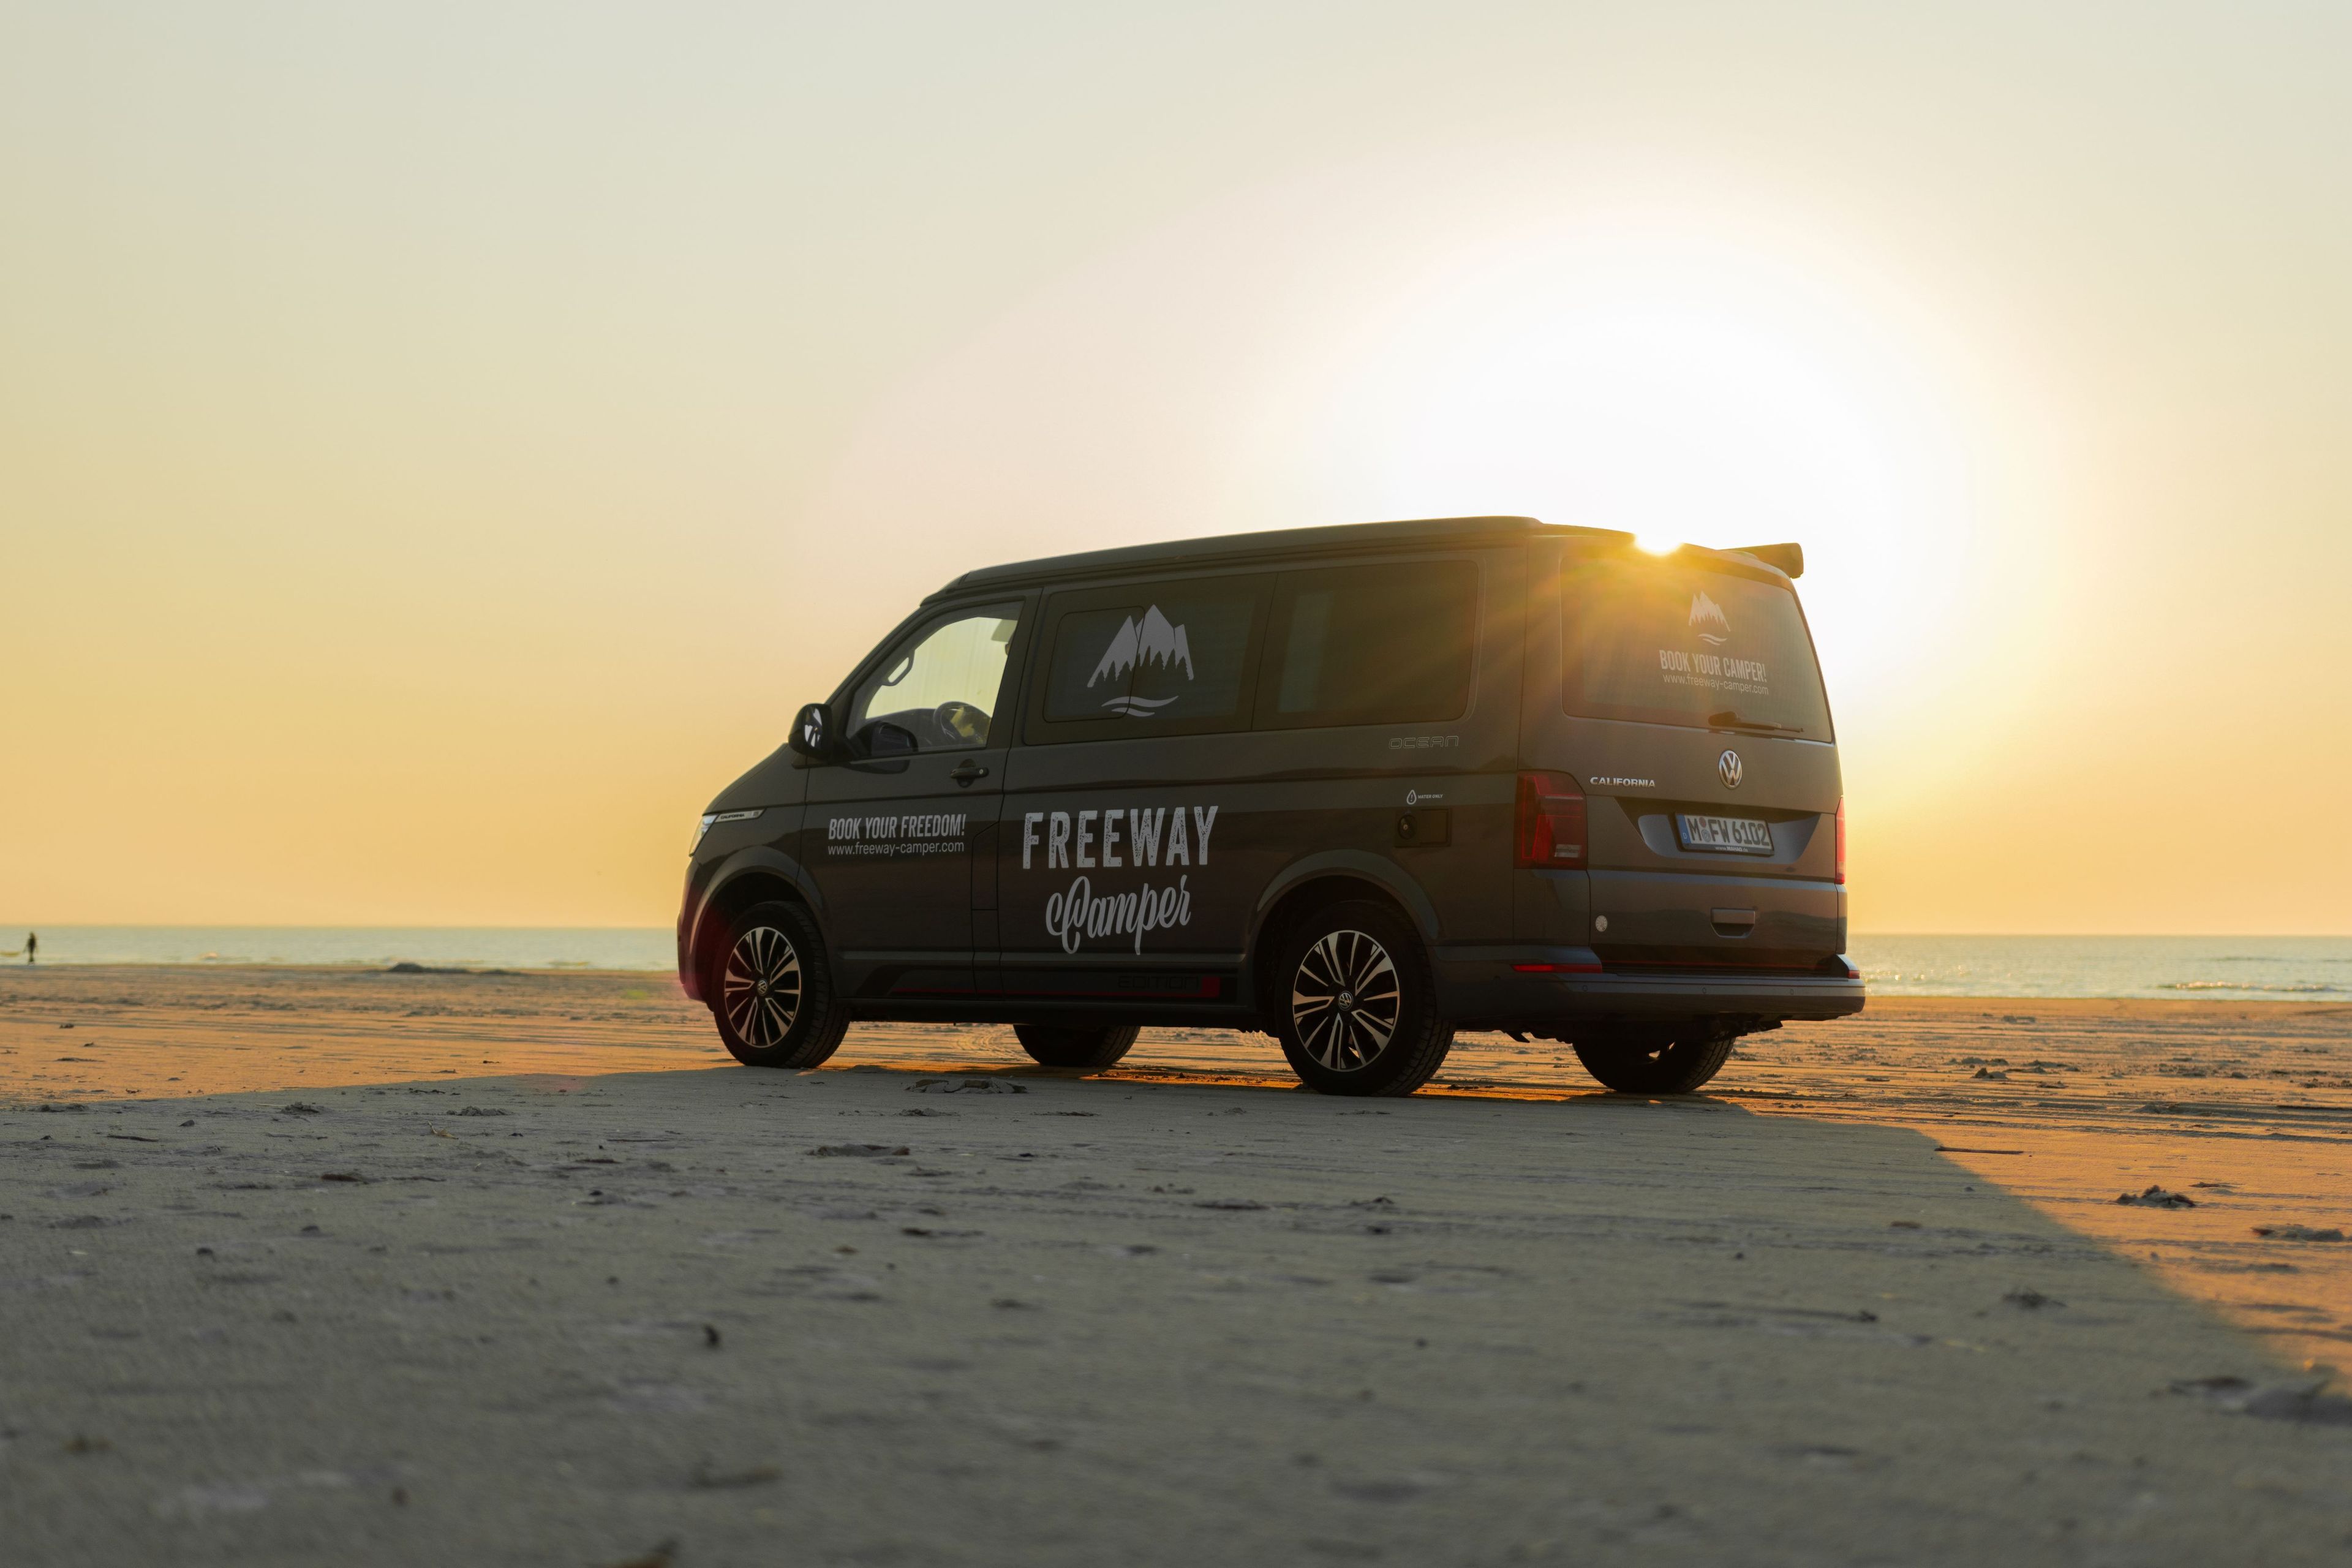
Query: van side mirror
(814, 735)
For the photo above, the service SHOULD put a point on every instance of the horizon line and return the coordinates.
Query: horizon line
(670, 927)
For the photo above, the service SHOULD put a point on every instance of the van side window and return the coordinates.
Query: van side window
(1371, 645)
(1152, 657)
(937, 690)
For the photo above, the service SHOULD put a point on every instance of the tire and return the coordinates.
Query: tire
(1088, 1050)
(1356, 1010)
(1654, 1066)
(773, 996)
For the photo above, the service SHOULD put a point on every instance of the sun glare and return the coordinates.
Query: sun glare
(1717, 372)
(1690, 386)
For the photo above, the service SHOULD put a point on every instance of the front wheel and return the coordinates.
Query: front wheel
(1087, 1050)
(1654, 1067)
(1357, 1013)
(775, 1003)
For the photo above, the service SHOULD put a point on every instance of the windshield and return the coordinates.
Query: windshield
(1681, 645)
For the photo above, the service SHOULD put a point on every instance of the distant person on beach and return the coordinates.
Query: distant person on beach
(32, 944)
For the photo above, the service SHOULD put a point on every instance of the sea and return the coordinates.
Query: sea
(2232, 968)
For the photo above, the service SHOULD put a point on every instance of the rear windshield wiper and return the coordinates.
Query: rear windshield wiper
(1730, 720)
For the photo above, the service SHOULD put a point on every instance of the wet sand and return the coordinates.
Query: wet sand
(339, 1266)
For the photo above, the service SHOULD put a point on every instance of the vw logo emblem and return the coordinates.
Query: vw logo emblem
(1728, 767)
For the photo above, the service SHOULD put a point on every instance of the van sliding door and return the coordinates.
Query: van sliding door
(1125, 872)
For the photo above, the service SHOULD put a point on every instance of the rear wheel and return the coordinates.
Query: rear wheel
(1357, 1013)
(1660, 1066)
(1088, 1050)
(775, 1003)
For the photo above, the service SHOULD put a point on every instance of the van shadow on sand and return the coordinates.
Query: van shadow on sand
(882, 1315)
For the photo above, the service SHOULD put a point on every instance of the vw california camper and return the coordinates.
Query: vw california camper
(1356, 787)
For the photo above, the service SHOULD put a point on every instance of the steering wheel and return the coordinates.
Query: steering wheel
(962, 720)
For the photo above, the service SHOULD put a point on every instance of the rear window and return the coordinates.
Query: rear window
(1678, 645)
(1371, 645)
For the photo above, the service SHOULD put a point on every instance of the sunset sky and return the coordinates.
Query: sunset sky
(441, 445)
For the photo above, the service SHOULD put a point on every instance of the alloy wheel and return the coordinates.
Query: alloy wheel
(762, 987)
(1345, 1001)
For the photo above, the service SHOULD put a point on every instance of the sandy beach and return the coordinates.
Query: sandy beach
(308, 1266)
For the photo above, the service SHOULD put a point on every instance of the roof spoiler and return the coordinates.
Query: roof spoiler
(1788, 559)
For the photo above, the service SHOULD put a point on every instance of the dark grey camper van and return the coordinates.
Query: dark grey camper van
(1358, 787)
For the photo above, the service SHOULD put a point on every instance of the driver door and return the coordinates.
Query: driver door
(896, 833)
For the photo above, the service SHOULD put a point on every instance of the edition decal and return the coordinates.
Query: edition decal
(1117, 837)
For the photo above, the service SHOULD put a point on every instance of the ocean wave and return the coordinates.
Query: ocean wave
(2256, 958)
(2242, 985)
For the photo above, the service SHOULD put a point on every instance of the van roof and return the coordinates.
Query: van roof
(1353, 537)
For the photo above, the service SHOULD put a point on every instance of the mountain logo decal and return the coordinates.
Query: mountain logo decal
(1705, 614)
(1150, 642)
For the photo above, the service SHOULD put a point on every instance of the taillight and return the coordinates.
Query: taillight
(1550, 822)
(1841, 839)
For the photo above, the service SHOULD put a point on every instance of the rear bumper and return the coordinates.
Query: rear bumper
(1542, 987)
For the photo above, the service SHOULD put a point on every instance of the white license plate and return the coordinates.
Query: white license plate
(1724, 834)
